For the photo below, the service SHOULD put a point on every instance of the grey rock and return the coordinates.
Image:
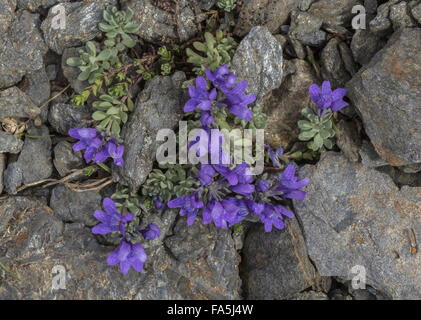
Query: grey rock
(7, 13)
(65, 159)
(310, 295)
(364, 46)
(15, 103)
(259, 60)
(174, 25)
(269, 13)
(34, 162)
(72, 206)
(206, 4)
(305, 4)
(37, 86)
(38, 241)
(275, 264)
(335, 12)
(416, 12)
(34, 5)
(355, 215)
(347, 58)
(51, 71)
(348, 140)
(333, 67)
(158, 106)
(386, 93)
(3, 160)
(9, 143)
(381, 23)
(72, 73)
(400, 16)
(21, 49)
(283, 106)
(63, 116)
(400, 177)
(82, 20)
(369, 156)
(305, 28)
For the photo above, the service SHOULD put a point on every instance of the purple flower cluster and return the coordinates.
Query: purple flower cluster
(95, 147)
(228, 193)
(231, 95)
(325, 98)
(127, 254)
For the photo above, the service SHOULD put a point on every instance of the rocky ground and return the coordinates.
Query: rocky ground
(364, 200)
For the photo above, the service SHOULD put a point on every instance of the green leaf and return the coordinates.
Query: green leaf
(318, 141)
(307, 135)
(304, 125)
(83, 76)
(328, 143)
(91, 49)
(99, 115)
(113, 111)
(104, 55)
(104, 27)
(74, 61)
(115, 129)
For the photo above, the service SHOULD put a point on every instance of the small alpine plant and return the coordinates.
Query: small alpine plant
(228, 193)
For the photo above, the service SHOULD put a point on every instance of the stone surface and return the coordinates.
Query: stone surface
(258, 60)
(34, 5)
(65, 159)
(82, 20)
(9, 143)
(3, 164)
(305, 28)
(386, 93)
(364, 45)
(7, 13)
(72, 206)
(21, 49)
(354, 215)
(15, 103)
(199, 262)
(416, 12)
(34, 162)
(369, 156)
(400, 16)
(158, 106)
(333, 67)
(72, 73)
(269, 13)
(381, 23)
(63, 116)
(335, 12)
(165, 23)
(275, 264)
(284, 105)
(348, 140)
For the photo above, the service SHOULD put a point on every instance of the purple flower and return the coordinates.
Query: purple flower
(206, 118)
(111, 220)
(158, 203)
(206, 174)
(272, 216)
(112, 150)
(289, 184)
(325, 98)
(151, 232)
(223, 213)
(222, 77)
(237, 101)
(239, 175)
(189, 204)
(89, 140)
(200, 98)
(275, 155)
(128, 255)
(262, 186)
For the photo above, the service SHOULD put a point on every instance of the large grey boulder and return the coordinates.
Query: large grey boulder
(9, 143)
(356, 216)
(334, 12)
(21, 48)
(269, 13)
(275, 264)
(199, 262)
(7, 13)
(386, 93)
(164, 22)
(14, 103)
(259, 60)
(64, 116)
(81, 24)
(34, 162)
(158, 106)
(33, 5)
